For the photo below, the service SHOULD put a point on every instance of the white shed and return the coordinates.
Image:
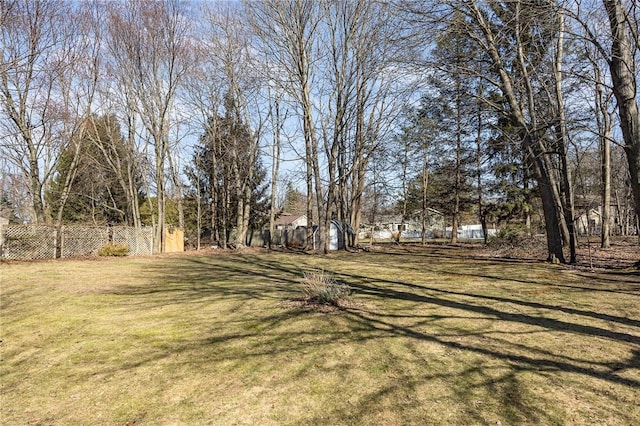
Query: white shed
(336, 235)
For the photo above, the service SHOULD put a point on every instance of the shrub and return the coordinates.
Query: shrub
(512, 235)
(321, 287)
(114, 250)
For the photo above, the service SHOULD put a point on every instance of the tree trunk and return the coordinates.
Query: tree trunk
(405, 191)
(548, 198)
(605, 231)
(562, 140)
(240, 231)
(131, 168)
(36, 193)
(175, 179)
(215, 194)
(159, 242)
(425, 188)
(198, 213)
(481, 214)
(357, 190)
(313, 169)
(275, 168)
(604, 120)
(247, 191)
(621, 65)
(246, 214)
(531, 144)
(458, 171)
(226, 205)
(64, 195)
(238, 187)
(68, 182)
(309, 202)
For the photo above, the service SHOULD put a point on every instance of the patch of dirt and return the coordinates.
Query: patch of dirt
(624, 252)
(312, 306)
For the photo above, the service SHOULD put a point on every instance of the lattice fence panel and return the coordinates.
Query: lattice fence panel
(29, 242)
(79, 241)
(140, 241)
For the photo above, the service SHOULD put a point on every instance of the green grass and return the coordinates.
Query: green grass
(433, 336)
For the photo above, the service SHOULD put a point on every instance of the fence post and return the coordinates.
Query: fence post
(2, 232)
(61, 236)
(55, 242)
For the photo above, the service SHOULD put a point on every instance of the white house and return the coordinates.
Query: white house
(471, 232)
(591, 221)
(388, 226)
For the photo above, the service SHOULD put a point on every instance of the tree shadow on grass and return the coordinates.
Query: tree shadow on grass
(278, 276)
(507, 388)
(258, 277)
(274, 278)
(408, 292)
(523, 361)
(463, 263)
(537, 273)
(179, 280)
(523, 358)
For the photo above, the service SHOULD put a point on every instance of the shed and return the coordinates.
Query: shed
(337, 233)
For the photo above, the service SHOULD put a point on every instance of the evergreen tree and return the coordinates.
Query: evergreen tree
(99, 189)
(294, 200)
(229, 176)
(7, 209)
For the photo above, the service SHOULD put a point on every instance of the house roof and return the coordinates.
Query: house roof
(288, 219)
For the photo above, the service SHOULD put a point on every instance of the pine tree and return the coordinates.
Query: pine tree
(231, 177)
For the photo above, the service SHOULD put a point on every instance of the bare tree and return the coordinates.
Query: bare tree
(562, 141)
(118, 96)
(149, 40)
(78, 87)
(203, 94)
(277, 122)
(288, 30)
(337, 56)
(51, 66)
(235, 79)
(366, 94)
(625, 48)
(37, 50)
(620, 48)
(604, 117)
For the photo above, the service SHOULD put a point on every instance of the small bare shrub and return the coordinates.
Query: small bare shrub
(118, 250)
(320, 287)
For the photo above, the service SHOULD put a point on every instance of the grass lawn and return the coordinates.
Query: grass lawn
(434, 336)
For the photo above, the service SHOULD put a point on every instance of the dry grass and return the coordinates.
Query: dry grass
(321, 288)
(436, 336)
